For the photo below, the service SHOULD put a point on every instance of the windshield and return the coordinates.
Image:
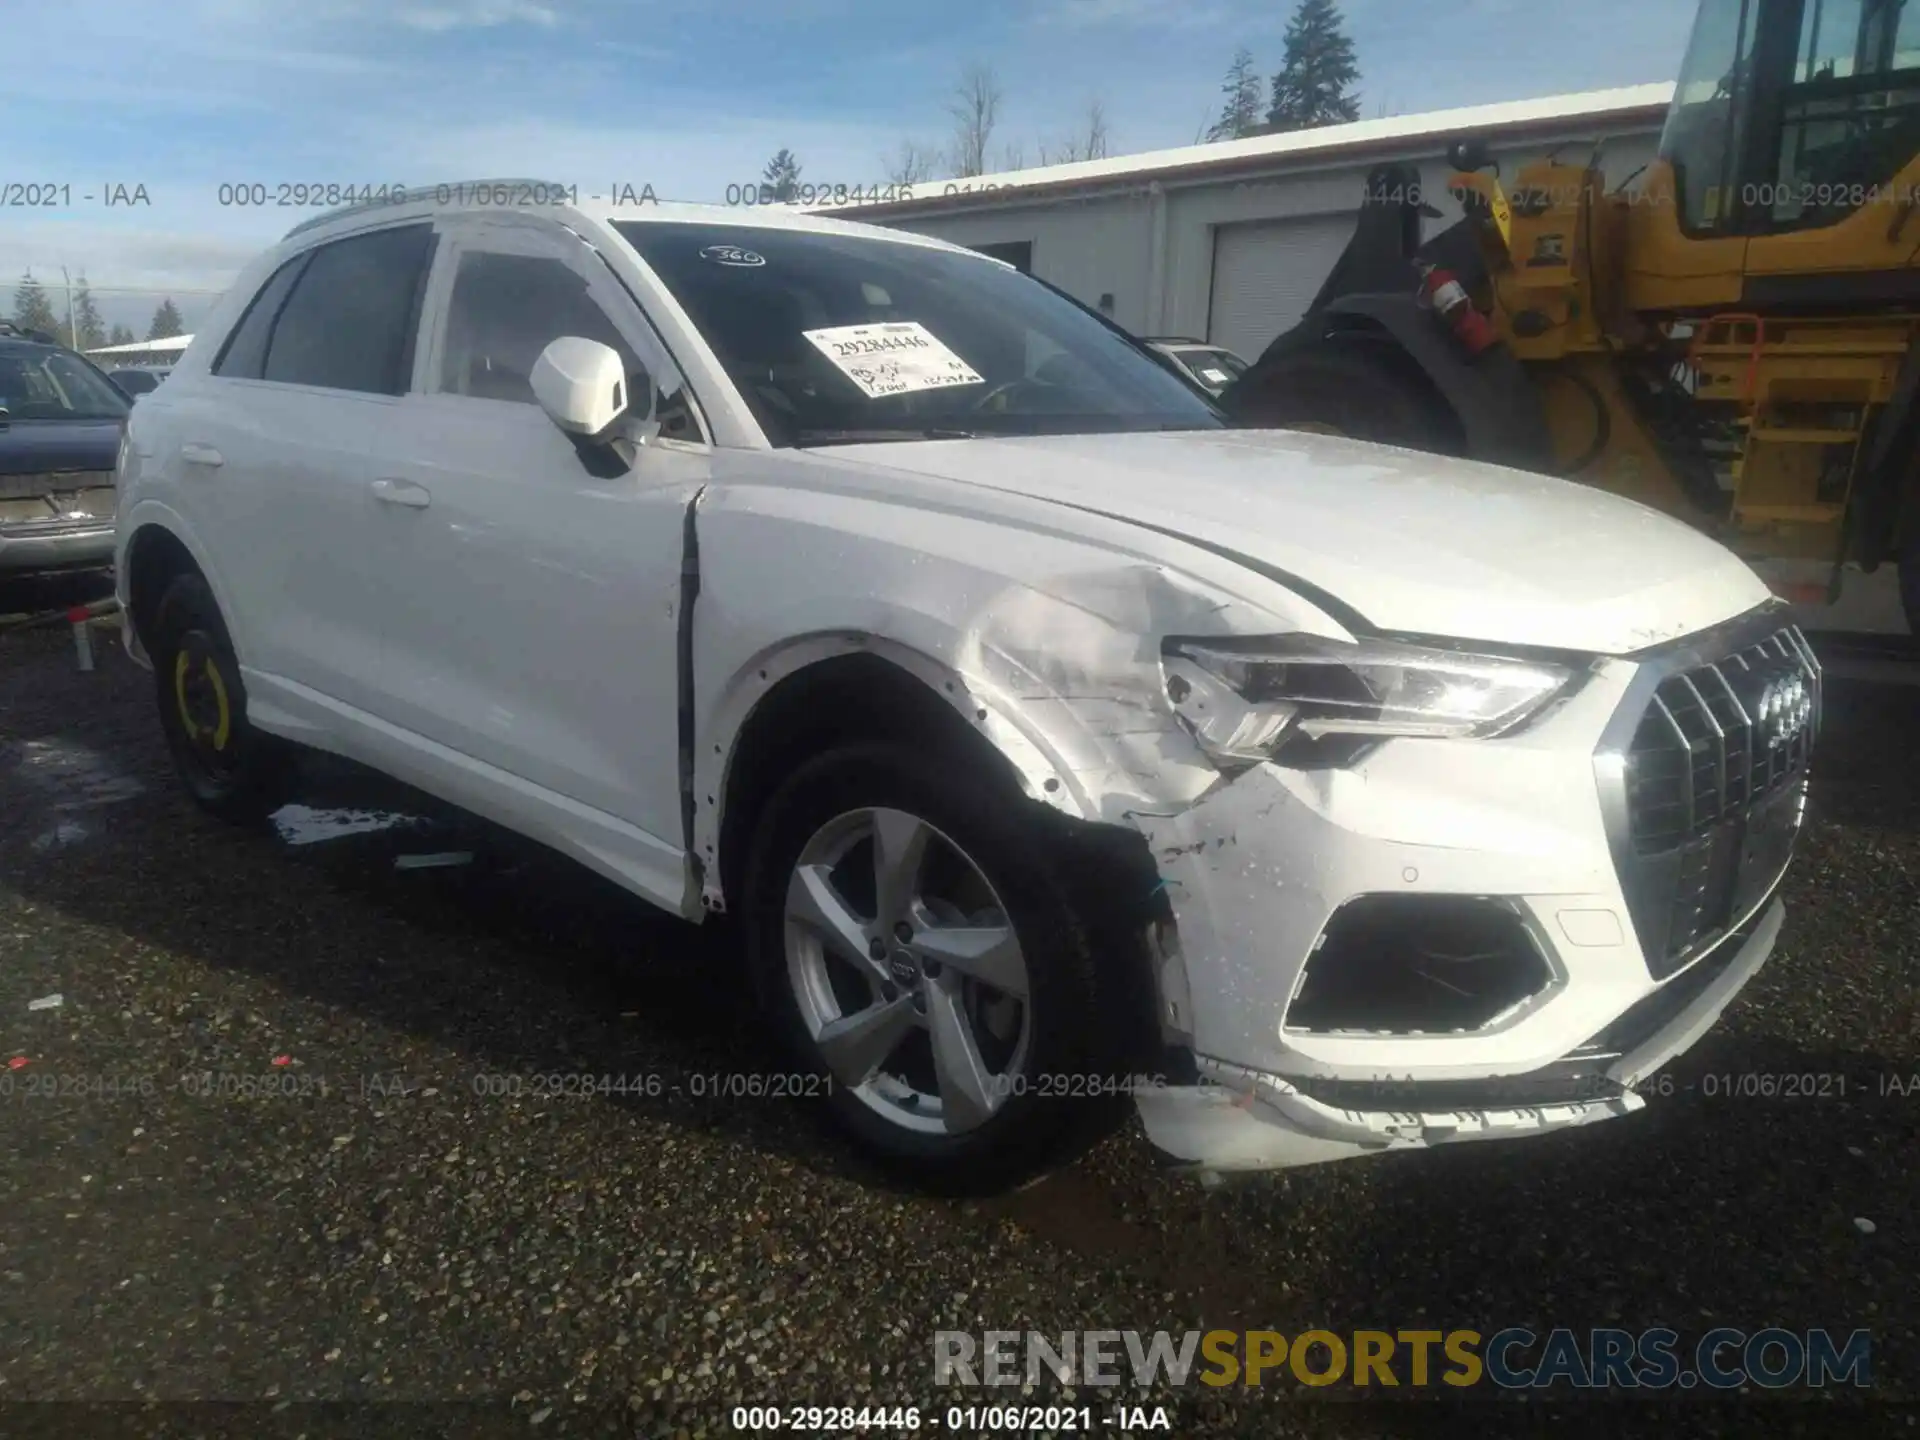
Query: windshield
(1215, 367)
(836, 338)
(53, 385)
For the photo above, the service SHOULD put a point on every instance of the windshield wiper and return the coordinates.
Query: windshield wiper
(860, 437)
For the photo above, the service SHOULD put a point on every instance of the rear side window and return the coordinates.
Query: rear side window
(244, 356)
(349, 323)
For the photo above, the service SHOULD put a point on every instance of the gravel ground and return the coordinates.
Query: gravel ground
(391, 1231)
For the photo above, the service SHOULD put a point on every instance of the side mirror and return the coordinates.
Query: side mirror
(582, 385)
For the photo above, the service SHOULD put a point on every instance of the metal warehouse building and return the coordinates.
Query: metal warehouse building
(1230, 241)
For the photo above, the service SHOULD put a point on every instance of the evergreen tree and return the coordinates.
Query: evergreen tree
(32, 310)
(782, 177)
(86, 318)
(1240, 115)
(1315, 83)
(166, 322)
(121, 335)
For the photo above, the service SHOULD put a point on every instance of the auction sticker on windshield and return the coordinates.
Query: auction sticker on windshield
(891, 358)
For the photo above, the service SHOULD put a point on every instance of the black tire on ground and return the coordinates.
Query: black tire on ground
(1910, 582)
(232, 770)
(1353, 388)
(1072, 999)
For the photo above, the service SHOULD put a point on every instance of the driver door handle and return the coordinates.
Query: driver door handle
(196, 452)
(401, 492)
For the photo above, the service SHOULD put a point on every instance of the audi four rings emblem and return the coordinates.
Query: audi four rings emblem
(1785, 707)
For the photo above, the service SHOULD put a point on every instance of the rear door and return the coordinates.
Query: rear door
(273, 456)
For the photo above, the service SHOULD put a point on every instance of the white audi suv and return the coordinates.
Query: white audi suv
(1050, 744)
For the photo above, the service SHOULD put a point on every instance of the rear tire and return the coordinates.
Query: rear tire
(1044, 1061)
(1351, 388)
(232, 770)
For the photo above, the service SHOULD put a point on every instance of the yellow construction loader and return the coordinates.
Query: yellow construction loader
(1729, 335)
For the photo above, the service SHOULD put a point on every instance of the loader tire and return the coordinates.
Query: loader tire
(1910, 581)
(1360, 390)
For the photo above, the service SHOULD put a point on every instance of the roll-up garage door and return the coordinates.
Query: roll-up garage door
(1266, 273)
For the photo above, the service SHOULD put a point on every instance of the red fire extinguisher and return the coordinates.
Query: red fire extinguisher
(1449, 298)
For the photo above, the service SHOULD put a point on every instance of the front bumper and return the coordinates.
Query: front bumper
(79, 539)
(1533, 825)
(1240, 1119)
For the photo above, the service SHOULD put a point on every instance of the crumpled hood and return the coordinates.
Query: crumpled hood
(1412, 542)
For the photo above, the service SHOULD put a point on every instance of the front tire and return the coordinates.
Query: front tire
(232, 770)
(915, 949)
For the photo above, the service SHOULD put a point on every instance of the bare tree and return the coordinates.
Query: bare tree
(1095, 133)
(1013, 156)
(912, 164)
(1090, 144)
(975, 109)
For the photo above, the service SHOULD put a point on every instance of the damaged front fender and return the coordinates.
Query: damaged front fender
(1046, 644)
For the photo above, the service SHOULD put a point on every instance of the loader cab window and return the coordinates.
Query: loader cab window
(1792, 114)
(1706, 125)
(1850, 118)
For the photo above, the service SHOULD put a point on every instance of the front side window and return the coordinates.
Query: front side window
(54, 385)
(834, 338)
(349, 323)
(506, 308)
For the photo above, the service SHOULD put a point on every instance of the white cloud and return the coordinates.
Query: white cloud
(483, 14)
(133, 257)
(1129, 14)
(694, 159)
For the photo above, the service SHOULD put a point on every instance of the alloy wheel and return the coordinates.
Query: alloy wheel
(907, 971)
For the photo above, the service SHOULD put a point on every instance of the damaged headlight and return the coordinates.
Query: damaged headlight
(1241, 698)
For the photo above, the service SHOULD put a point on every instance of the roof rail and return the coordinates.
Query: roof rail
(414, 195)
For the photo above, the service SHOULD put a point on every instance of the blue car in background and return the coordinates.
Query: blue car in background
(61, 421)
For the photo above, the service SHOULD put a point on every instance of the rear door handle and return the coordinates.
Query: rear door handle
(401, 492)
(195, 452)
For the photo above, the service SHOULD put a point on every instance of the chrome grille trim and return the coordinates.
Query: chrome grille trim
(1702, 768)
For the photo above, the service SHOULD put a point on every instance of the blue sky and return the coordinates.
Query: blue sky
(180, 96)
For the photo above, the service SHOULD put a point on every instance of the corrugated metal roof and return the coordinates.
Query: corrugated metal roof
(1604, 107)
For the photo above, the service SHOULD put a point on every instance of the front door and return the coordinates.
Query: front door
(533, 640)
